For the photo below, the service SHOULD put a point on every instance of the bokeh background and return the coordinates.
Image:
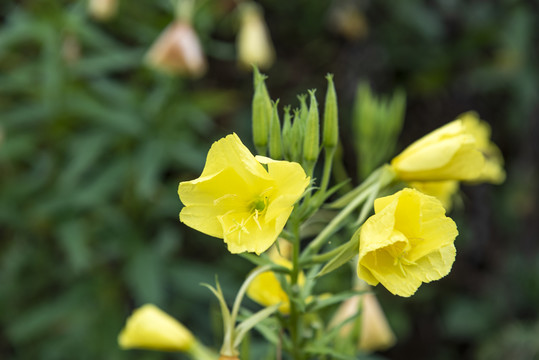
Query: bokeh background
(93, 144)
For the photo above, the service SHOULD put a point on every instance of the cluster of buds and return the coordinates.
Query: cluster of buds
(298, 137)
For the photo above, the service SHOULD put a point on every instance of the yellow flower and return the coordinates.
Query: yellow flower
(178, 51)
(266, 289)
(441, 190)
(103, 9)
(408, 241)
(238, 200)
(375, 333)
(254, 42)
(492, 171)
(448, 153)
(151, 328)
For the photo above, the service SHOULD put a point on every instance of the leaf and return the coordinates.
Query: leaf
(320, 304)
(252, 321)
(349, 250)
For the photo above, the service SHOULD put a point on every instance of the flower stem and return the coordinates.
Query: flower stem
(295, 320)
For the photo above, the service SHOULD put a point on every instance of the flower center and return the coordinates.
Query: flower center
(260, 204)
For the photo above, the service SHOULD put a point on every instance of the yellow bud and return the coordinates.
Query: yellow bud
(102, 10)
(376, 334)
(254, 43)
(178, 51)
(151, 328)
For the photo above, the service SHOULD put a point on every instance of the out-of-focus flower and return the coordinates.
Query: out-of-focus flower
(238, 200)
(253, 41)
(346, 19)
(448, 153)
(178, 51)
(71, 49)
(375, 334)
(266, 289)
(408, 241)
(151, 328)
(492, 171)
(441, 190)
(103, 10)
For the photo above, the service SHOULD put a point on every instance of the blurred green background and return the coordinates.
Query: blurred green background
(93, 144)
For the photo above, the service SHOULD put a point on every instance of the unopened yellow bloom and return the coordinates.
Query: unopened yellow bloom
(448, 153)
(441, 190)
(408, 241)
(492, 171)
(266, 289)
(237, 199)
(254, 42)
(151, 328)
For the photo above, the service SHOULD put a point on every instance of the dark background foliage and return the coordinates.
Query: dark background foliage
(95, 143)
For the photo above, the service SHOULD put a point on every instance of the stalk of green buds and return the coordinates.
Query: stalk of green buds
(275, 141)
(331, 117)
(262, 112)
(287, 133)
(311, 143)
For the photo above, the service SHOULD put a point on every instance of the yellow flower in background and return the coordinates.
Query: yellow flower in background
(492, 171)
(178, 51)
(375, 334)
(103, 9)
(448, 153)
(254, 42)
(238, 200)
(441, 190)
(266, 289)
(151, 328)
(408, 241)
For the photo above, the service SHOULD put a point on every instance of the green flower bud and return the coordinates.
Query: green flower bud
(296, 139)
(287, 133)
(275, 142)
(311, 143)
(262, 112)
(331, 117)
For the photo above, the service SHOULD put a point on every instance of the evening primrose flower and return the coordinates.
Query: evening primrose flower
(151, 328)
(266, 289)
(408, 241)
(238, 200)
(448, 153)
(492, 171)
(441, 190)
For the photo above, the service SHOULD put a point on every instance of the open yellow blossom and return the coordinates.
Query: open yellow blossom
(266, 289)
(151, 328)
(441, 190)
(408, 241)
(448, 153)
(238, 200)
(492, 171)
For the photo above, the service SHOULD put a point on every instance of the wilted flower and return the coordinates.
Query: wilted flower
(448, 153)
(178, 51)
(266, 289)
(408, 241)
(102, 9)
(492, 171)
(238, 200)
(254, 42)
(151, 328)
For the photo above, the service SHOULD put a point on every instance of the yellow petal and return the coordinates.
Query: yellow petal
(444, 191)
(376, 334)
(448, 153)
(151, 328)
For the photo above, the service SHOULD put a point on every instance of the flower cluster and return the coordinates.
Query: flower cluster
(252, 201)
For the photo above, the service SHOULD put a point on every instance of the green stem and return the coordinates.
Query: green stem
(294, 323)
(337, 221)
(328, 163)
